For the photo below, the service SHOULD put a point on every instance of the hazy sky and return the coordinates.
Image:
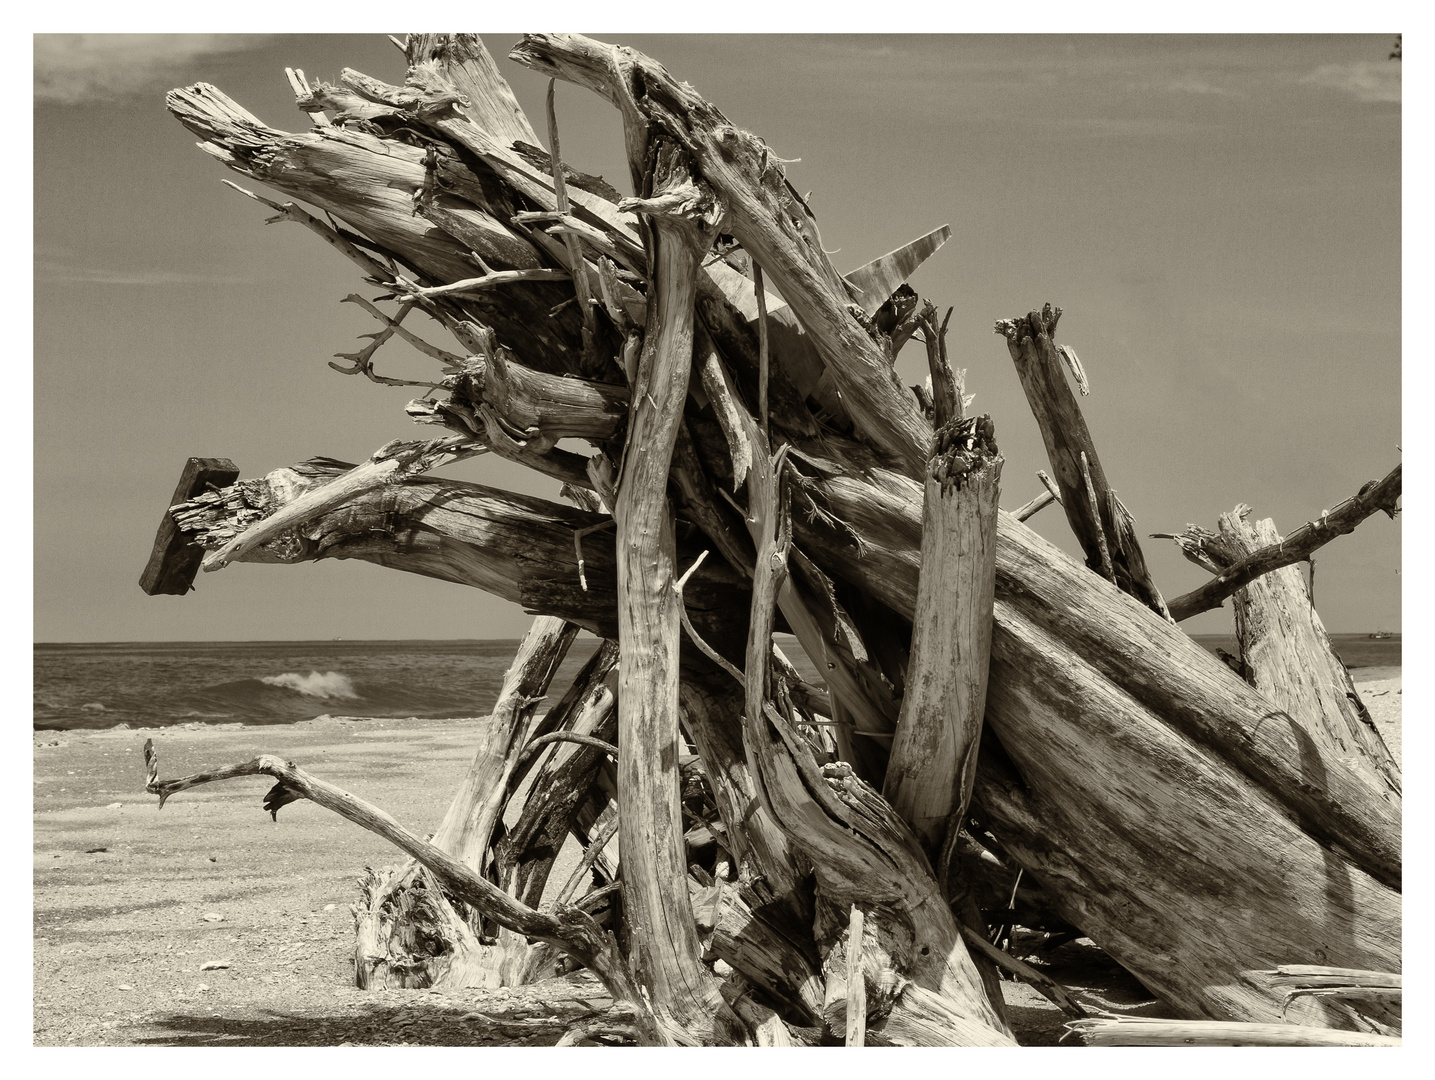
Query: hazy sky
(1219, 217)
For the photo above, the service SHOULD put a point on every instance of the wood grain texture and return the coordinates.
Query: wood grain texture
(934, 751)
(1289, 659)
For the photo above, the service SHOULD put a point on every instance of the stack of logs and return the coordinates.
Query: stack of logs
(799, 864)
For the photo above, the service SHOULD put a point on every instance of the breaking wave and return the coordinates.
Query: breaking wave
(330, 685)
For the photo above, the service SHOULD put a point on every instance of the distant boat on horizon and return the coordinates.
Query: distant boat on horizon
(1381, 635)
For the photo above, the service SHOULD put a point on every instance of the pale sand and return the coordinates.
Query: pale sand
(120, 934)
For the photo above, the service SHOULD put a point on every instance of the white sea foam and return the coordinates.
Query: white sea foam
(93, 706)
(329, 684)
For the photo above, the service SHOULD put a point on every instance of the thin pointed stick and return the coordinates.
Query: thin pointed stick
(1381, 495)
(441, 355)
(763, 353)
(707, 650)
(578, 535)
(1107, 570)
(487, 281)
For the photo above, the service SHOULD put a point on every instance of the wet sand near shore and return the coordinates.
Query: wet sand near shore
(131, 904)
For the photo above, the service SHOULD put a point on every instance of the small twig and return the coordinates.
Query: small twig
(1039, 502)
(441, 355)
(615, 246)
(763, 351)
(563, 926)
(478, 284)
(578, 268)
(334, 237)
(1078, 373)
(1045, 985)
(589, 901)
(1107, 570)
(304, 97)
(531, 750)
(1003, 931)
(1049, 484)
(578, 535)
(362, 362)
(595, 848)
(707, 650)
(1343, 518)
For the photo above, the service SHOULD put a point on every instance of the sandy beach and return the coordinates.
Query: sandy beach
(207, 924)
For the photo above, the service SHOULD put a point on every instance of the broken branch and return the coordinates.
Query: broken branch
(1381, 495)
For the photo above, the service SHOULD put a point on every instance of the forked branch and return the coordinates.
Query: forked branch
(1376, 495)
(568, 928)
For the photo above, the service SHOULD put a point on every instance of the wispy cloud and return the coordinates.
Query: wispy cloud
(1194, 84)
(75, 68)
(60, 271)
(1367, 80)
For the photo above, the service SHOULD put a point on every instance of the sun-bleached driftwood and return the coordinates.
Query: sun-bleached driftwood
(683, 220)
(1288, 657)
(526, 854)
(453, 956)
(696, 345)
(766, 216)
(389, 464)
(515, 546)
(1055, 716)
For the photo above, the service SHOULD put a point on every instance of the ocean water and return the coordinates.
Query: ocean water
(158, 684)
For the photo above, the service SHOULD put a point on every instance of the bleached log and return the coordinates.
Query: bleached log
(527, 852)
(1289, 659)
(1149, 1031)
(371, 183)
(514, 546)
(934, 751)
(467, 826)
(683, 219)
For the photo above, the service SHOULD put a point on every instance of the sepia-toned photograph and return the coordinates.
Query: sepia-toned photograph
(693, 540)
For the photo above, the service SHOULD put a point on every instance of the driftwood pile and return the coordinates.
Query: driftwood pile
(1004, 735)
